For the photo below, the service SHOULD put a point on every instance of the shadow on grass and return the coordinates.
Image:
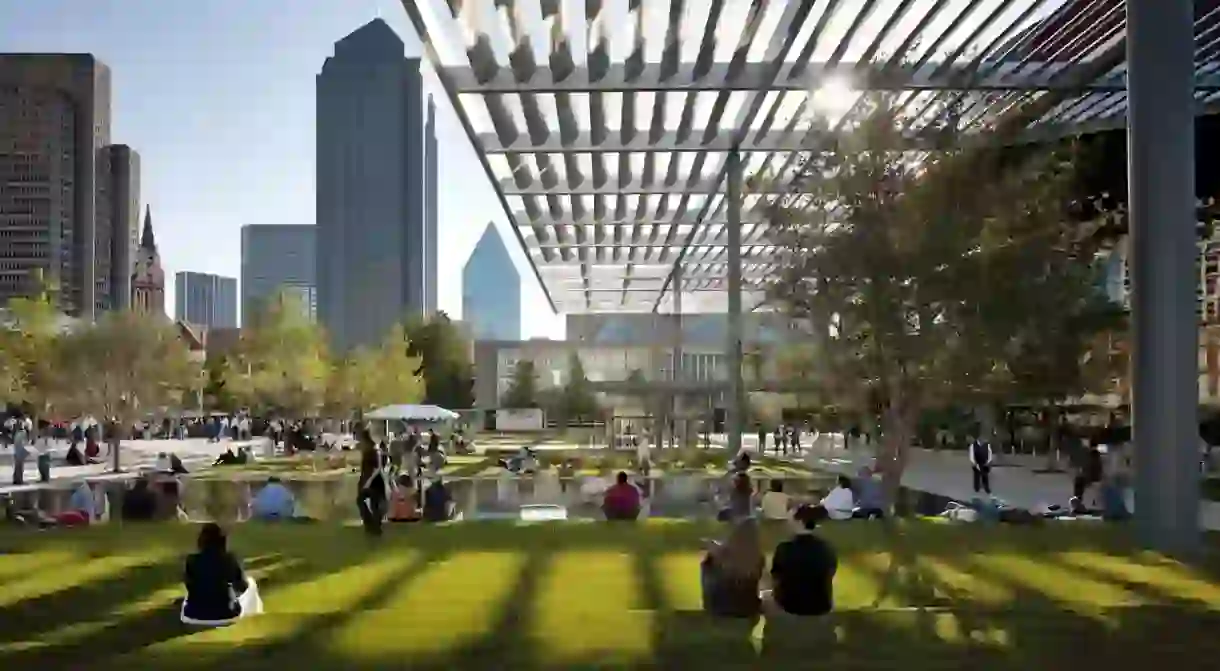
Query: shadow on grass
(1032, 631)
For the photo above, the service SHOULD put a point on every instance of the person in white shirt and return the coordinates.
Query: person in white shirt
(840, 503)
(776, 505)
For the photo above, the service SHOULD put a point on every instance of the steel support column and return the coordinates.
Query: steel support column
(1161, 179)
(735, 416)
(679, 427)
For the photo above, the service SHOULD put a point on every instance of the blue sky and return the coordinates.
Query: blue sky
(218, 98)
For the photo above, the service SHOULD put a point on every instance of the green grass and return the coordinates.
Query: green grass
(593, 595)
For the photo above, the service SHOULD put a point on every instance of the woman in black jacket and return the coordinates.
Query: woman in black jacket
(372, 489)
(217, 589)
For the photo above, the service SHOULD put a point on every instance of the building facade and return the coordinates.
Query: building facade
(147, 277)
(205, 300)
(54, 123)
(1118, 278)
(372, 181)
(120, 196)
(278, 259)
(491, 290)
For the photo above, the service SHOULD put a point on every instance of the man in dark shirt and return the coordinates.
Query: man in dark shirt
(139, 503)
(437, 502)
(803, 568)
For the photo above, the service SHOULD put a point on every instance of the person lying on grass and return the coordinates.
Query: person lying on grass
(218, 591)
(730, 573)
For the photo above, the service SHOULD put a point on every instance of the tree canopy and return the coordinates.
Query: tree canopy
(522, 390)
(961, 273)
(444, 356)
(280, 363)
(372, 377)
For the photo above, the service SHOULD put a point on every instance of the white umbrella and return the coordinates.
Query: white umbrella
(413, 413)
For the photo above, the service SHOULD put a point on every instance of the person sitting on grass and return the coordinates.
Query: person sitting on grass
(81, 506)
(139, 502)
(438, 503)
(274, 502)
(870, 499)
(776, 505)
(218, 591)
(802, 569)
(404, 506)
(523, 462)
(622, 500)
(730, 573)
(840, 503)
(741, 499)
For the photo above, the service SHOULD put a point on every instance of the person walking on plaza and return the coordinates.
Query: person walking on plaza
(372, 486)
(980, 464)
(762, 439)
(20, 451)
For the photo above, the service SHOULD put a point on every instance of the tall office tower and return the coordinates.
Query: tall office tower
(370, 187)
(121, 194)
(491, 290)
(54, 121)
(147, 277)
(278, 260)
(205, 300)
(431, 214)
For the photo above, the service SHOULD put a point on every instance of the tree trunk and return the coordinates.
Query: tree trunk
(898, 427)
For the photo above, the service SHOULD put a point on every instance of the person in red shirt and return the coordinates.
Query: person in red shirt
(622, 500)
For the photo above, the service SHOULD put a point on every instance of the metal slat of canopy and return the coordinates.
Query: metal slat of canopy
(606, 125)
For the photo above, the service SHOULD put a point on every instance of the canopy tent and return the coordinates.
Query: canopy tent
(413, 413)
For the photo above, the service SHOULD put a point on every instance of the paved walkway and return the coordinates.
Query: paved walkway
(948, 474)
(134, 454)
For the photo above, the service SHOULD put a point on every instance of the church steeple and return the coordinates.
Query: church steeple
(147, 240)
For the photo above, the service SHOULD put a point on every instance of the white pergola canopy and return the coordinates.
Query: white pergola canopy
(606, 125)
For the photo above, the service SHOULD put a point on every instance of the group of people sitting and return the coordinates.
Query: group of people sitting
(861, 499)
(801, 579)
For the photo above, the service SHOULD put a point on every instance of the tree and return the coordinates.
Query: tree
(522, 390)
(948, 274)
(126, 366)
(444, 358)
(216, 393)
(281, 362)
(579, 401)
(369, 378)
(27, 336)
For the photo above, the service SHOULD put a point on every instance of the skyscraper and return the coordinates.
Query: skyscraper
(121, 195)
(372, 178)
(430, 211)
(54, 122)
(275, 260)
(205, 300)
(491, 290)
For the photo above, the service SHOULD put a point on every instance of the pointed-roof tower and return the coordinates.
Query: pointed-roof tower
(147, 239)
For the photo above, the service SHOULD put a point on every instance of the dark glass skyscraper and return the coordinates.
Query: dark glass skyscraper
(205, 300)
(375, 259)
(278, 260)
(491, 290)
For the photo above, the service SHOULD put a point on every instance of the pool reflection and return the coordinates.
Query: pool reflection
(334, 498)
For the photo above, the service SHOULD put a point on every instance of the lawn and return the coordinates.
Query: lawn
(594, 595)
